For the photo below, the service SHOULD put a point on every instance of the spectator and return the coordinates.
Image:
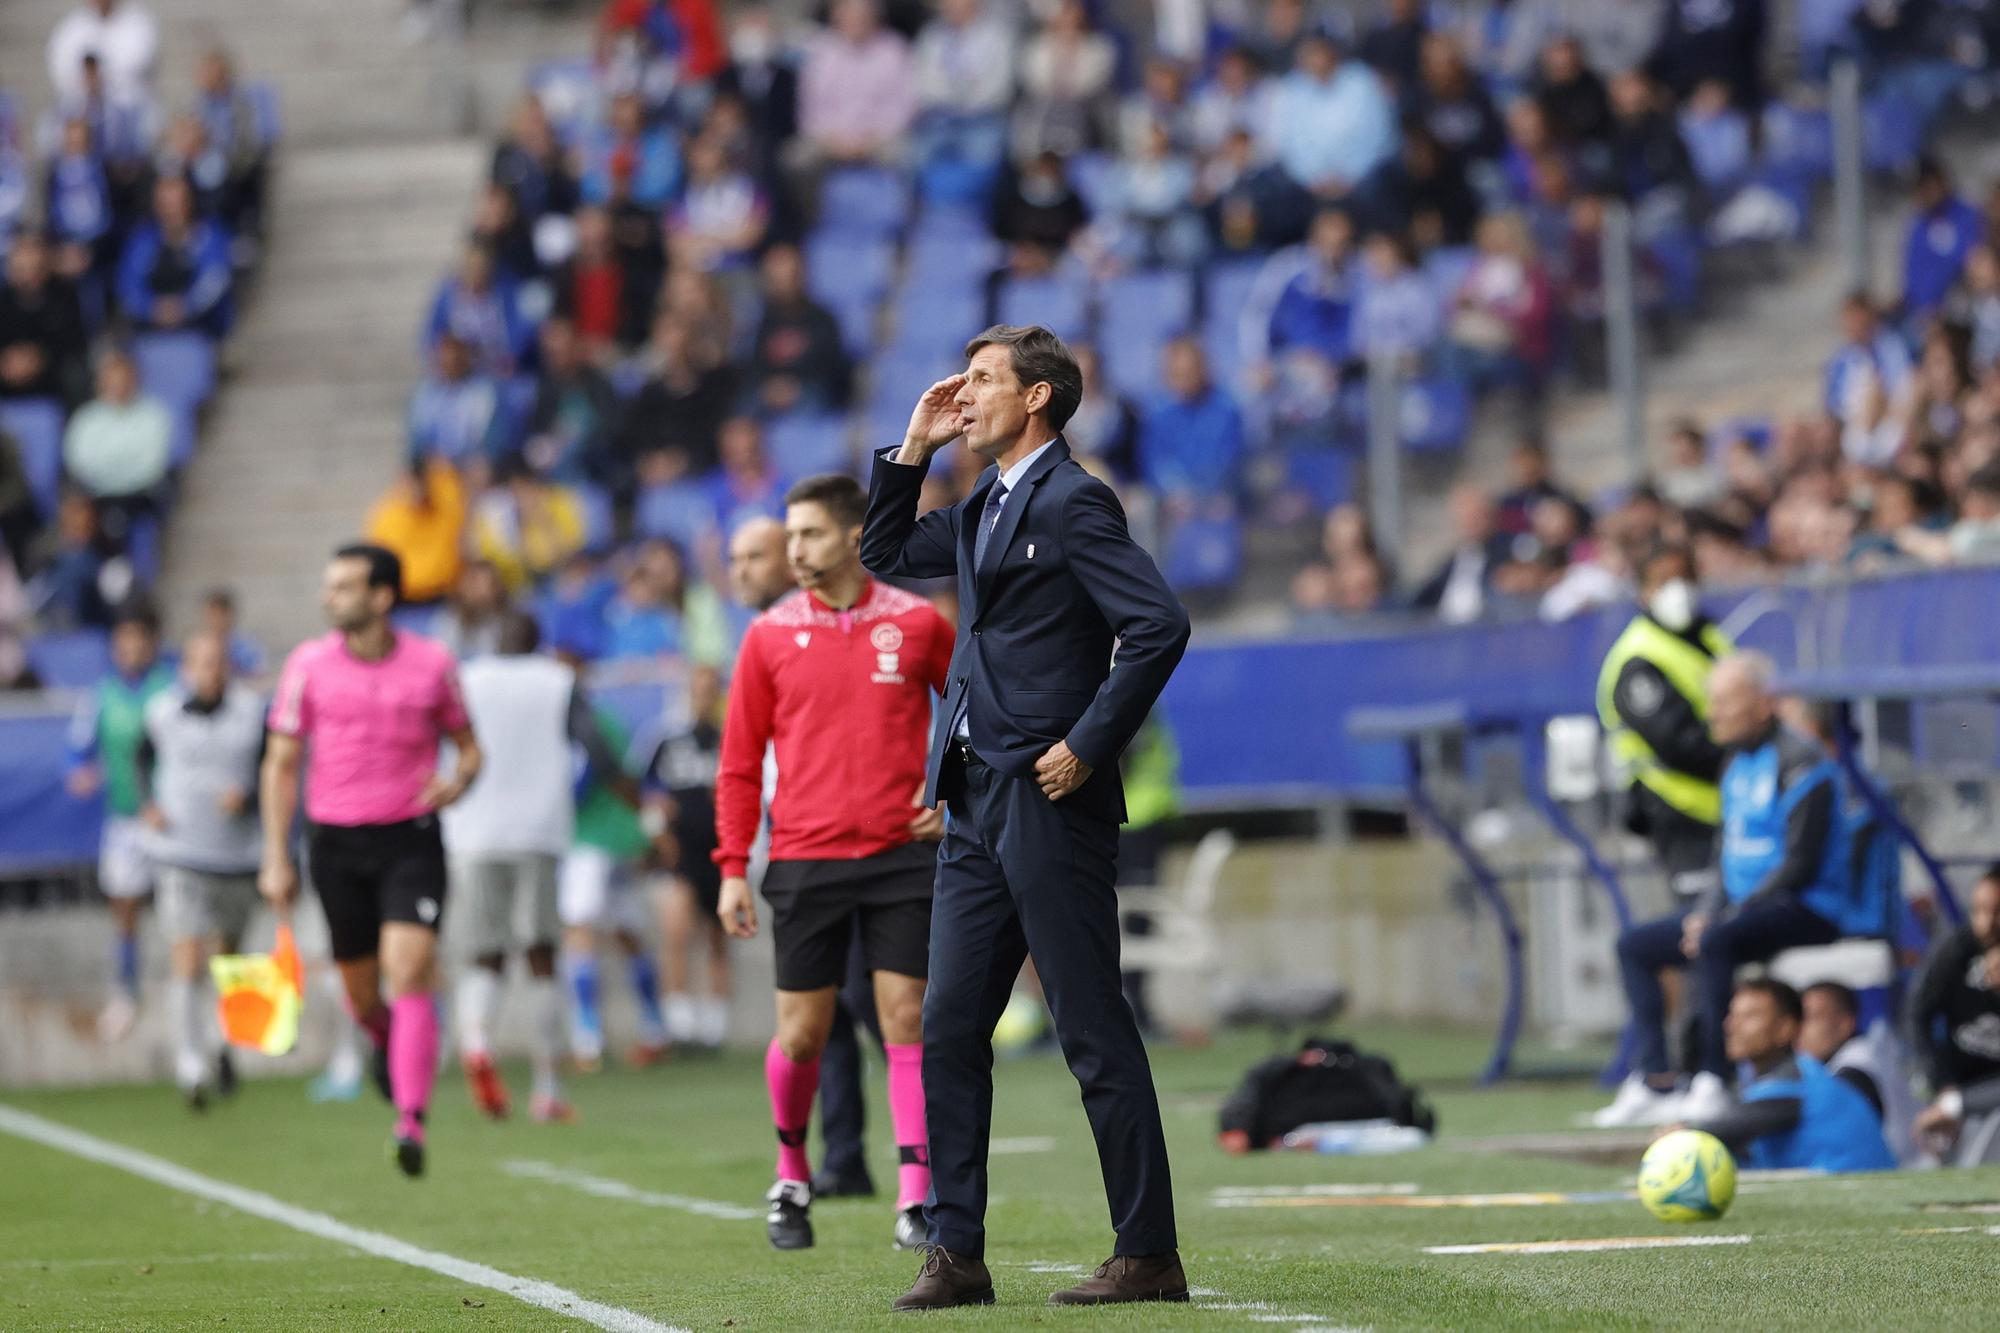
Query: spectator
(1352, 580)
(218, 620)
(857, 91)
(1037, 213)
(607, 308)
(525, 526)
(1236, 99)
(176, 270)
(497, 226)
(1795, 1114)
(1608, 36)
(1871, 360)
(1066, 74)
(1944, 228)
(185, 152)
(1282, 31)
(530, 164)
(965, 80)
(1975, 304)
(81, 222)
(422, 519)
(1105, 426)
(646, 154)
(1302, 306)
(118, 446)
(1154, 220)
(659, 46)
(1783, 866)
(572, 424)
(1974, 539)
(1451, 102)
(121, 34)
(1501, 327)
(1545, 554)
(1398, 315)
(1713, 39)
(1248, 204)
(799, 362)
(477, 305)
(1872, 1062)
(1650, 152)
(644, 618)
(1585, 299)
(1191, 445)
(1688, 481)
(680, 406)
(1425, 193)
(1571, 95)
(746, 485)
(41, 328)
(1954, 1027)
(76, 581)
(1394, 48)
(469, 624)
(237, 132)
(720, 221)
(20, 514)
(761, 80)
(121, 126)
(1457, 592)
(1332, 123)
(1162, 100)
(455, 410)
(1528, 470)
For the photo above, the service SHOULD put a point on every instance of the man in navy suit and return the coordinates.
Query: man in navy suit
(1025, 753)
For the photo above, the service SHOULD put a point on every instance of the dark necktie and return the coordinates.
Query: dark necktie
(996, 500)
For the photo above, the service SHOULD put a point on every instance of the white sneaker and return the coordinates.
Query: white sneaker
(1637, 1103)
(1706, 1098)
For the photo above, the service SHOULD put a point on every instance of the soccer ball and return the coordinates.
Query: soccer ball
(1687, 1176)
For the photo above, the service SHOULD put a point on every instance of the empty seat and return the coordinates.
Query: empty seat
(37, 427)
(803, 444)
(682, 512)
(71, 660)
(864, 201)
(1059, 302)
(176, 368)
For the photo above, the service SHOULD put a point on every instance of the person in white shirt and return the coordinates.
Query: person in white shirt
(123, 36)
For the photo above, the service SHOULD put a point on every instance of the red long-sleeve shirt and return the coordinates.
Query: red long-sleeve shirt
(845, 697)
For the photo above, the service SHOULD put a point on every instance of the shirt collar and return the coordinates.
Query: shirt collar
(1012, 476)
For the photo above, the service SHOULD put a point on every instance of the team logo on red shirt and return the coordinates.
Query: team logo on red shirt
(887, 637)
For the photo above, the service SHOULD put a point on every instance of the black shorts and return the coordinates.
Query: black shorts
(697, 865)
(371, 873)
(815, 906)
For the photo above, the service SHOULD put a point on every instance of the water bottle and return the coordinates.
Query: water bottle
(1356, 1138)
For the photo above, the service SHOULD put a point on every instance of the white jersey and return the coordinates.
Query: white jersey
(523, 801)
(1878, 1054)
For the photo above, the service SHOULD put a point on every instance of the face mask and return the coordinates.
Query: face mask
(752, 46)
(1673, 605)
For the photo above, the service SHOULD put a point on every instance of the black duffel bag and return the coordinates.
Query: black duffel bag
(1326, 1081)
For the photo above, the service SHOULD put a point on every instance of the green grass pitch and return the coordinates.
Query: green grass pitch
(86, 1246)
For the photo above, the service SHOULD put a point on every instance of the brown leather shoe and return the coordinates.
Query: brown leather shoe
(1125, 1278)
(946, 1280)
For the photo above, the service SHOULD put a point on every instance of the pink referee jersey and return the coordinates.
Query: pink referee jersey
(371, 728)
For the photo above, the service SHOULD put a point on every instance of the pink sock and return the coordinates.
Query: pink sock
(793, 1086)
(413, 1056)
(906, 1114)
(375, 1022)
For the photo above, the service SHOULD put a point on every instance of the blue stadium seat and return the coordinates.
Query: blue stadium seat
(1434, 415)
(1095, 176)
(186, 435)
(932, 323)
(1447, 266)
(1892, 130)
(263, 99)
(1205, 553)
(1139, 313)
(802, 444)
(1226, 288)
(900, 377)
(841, 266)
(600, 528)
(37, 427)
(1324, 475)
(864, 201)
(176, 368)
(950, 261)
(681, 512)
(71, 661)
(953, 183)
(1798, 140)
(142, 548)
(1678, 253)
(1060, 302)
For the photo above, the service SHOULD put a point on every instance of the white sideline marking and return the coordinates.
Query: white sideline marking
(1031, 1143)
(159, 1261)
(545, 1295)
(1309, 1191)
(1586, 1246)
(605, 1188)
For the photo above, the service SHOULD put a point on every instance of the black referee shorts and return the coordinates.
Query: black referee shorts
(816, 906)
(367, 874)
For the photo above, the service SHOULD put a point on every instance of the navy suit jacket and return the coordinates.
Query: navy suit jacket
(1062, 586)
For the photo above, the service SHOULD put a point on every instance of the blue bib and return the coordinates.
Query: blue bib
(1837, 1131)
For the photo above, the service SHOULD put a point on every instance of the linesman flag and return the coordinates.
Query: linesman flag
(259, 996)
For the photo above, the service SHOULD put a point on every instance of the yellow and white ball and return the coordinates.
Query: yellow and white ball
(1687, 1176)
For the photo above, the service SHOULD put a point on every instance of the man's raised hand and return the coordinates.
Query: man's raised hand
(934, 423)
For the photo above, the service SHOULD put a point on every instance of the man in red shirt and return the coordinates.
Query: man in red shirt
(838, 677)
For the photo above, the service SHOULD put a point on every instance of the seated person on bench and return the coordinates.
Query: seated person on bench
(1955, 1028)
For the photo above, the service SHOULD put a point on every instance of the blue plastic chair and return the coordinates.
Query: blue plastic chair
(932, 324)
(185, 437)
(682, 512)
(1205, 553)
(177, 368)
(1059, 303)
(600, 528)
(1162, 299)
(803, 445)
(1435, 415)
(864, 202)
(842, 267)
(1324, 475)
(73, 660)
(37, 427)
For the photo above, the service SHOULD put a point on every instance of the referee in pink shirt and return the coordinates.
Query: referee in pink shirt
(363, 710)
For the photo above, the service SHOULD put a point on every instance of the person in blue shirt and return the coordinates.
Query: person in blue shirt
(647, 154)
(1191, 445)
(78, 201)
(1795, 1114)
(643, 619)
(1331, 120)
(1943, 230)
(1784, 864)
(1869, 354)
(175, 273)
(477, 305)
(1304, 298)
(454, 411)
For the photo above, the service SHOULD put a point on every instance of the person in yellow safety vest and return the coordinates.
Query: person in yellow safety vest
(1652, 699)
(1152, 772)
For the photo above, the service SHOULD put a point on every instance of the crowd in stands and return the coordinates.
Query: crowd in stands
(125, 227)
(1898, 467)
(721, 253)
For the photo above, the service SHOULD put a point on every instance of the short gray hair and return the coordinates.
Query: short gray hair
(1757, 668)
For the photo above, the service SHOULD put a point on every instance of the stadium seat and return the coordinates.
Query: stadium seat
(950, 261)
(1892, 130)
(1060, 302)
(1139, 313)
(37, 427)
(181, 444)
(899, 379)
(1798, 140)
(1434, 415)
(142, 548)
(263, 99)
(864, 202)
(954, 183)
(176, 368)
(682, 512)
(931, 324)
(1323, 475)
(70, 661)
(1226, 289)
(802, 444)
(600, 528)
(843, 267)
(1204, 553)
(1095, 176)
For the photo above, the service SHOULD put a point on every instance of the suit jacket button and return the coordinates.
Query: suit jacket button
(975, 634)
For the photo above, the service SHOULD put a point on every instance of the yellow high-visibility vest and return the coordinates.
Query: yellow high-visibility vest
(1686, 668)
